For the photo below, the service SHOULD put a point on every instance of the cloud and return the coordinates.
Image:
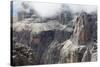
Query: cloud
(79, 8)
(46, 9)
(51, 9)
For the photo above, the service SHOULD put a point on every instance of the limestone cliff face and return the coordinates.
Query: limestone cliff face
(80, 47)
(52, 42)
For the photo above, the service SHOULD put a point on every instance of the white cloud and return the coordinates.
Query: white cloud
(86, 8)
(51, 9)
(46, 9)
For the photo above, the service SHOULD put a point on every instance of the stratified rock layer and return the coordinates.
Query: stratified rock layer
(52, 42)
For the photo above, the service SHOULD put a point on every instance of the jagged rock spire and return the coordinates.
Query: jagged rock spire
(81, 33)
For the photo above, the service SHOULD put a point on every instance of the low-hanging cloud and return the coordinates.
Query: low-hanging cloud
(80, 8)
(46, 9)
(52, 9)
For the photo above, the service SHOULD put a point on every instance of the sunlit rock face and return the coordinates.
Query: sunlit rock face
(54, 42)
(82, 30)
(80, 47)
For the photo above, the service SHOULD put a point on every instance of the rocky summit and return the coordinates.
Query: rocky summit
(36, 41)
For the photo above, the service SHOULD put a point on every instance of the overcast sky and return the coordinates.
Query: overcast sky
(51, 9)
